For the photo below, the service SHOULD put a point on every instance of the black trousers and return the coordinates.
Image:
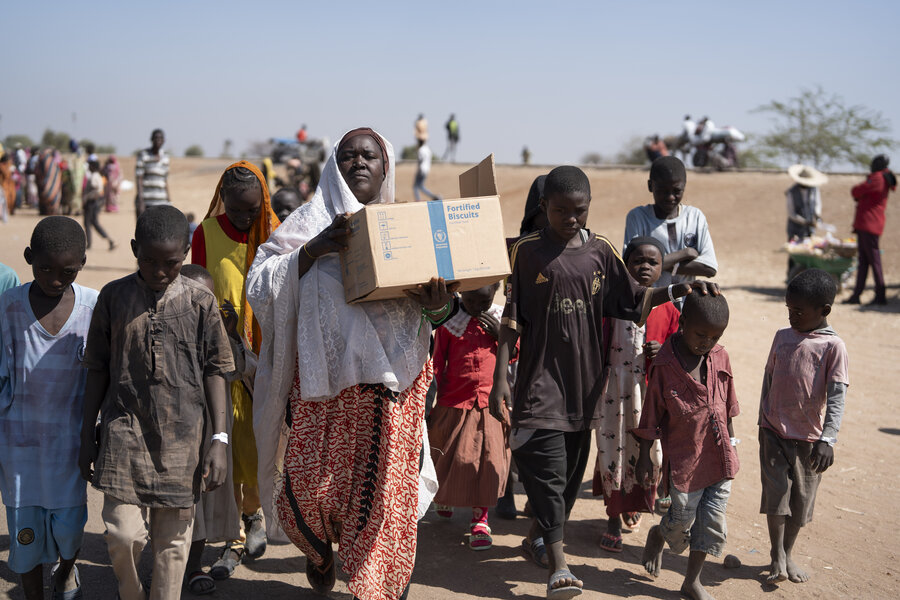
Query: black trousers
(869, 256)
(551, 467)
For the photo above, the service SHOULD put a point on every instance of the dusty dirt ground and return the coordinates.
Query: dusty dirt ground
(851, 547)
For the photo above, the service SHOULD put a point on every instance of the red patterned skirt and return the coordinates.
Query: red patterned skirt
(351, 477)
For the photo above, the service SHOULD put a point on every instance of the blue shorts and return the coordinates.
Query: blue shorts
(43, 535)
(697, 519)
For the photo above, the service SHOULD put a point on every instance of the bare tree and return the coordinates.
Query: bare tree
(821, 129)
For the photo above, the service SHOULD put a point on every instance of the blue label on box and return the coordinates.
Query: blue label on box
(440, 239)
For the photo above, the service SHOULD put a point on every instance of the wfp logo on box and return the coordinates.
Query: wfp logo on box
(440, 236)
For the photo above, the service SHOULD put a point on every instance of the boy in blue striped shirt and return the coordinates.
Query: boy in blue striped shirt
(43, 332)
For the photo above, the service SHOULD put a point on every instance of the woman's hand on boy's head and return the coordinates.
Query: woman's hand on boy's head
(821, 457)
(680, 290)
(703, 287)
(433, 295)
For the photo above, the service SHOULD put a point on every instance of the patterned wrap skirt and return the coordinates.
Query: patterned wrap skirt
(351, 477)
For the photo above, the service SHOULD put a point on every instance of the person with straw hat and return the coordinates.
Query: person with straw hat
(804, 204)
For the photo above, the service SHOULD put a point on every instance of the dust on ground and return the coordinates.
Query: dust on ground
(851, 547)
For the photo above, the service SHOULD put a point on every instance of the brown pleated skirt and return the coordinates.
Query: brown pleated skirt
(471, 455)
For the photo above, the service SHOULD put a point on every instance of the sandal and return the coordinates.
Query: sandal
(321, 579)
(75, 594)
(632, 522)
(563, 592)
(611, 543)
(536, 551)
(255, 531)
(480, 536)
(227, 563)
(199, 583)
(443, 511)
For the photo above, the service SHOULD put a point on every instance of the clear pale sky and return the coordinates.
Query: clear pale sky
(565, 78)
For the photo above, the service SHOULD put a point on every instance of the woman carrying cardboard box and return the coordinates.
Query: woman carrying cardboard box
(352, 381)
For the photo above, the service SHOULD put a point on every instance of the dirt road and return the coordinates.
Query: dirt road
(851, 547)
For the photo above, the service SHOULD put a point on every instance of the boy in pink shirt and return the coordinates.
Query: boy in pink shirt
(800, 412)
(689, 406)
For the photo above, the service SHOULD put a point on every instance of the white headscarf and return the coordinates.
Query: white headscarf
(337, 345)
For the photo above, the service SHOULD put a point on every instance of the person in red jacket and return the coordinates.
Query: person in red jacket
(871, 201)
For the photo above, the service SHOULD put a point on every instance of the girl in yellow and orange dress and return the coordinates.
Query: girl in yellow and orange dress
(239, 219)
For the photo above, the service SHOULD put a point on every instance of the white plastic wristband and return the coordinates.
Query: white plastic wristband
(220, 437)
(669, 290)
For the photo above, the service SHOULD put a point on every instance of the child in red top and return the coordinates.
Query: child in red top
(631, 348)
(689, 406)
(469, 448)
(871, 201)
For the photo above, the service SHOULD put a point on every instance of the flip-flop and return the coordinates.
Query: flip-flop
(194, 583)
(610, 542)
(321, 579)
(565, 592)
(70, 594)
(631, 522)
(536, 551)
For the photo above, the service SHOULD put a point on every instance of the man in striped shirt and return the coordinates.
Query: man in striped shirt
(151, 174)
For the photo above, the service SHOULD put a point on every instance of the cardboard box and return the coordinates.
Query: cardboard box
(394, 247)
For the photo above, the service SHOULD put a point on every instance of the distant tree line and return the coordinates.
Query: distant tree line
(55, 139)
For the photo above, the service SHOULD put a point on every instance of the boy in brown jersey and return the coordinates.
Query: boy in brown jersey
(564, 281)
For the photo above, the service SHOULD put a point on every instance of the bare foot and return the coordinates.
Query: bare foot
(778, 570)
(795, 573)
(653, 551)
(695, 591)
(570, 581)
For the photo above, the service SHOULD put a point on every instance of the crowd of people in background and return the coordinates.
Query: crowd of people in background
(54, 180)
